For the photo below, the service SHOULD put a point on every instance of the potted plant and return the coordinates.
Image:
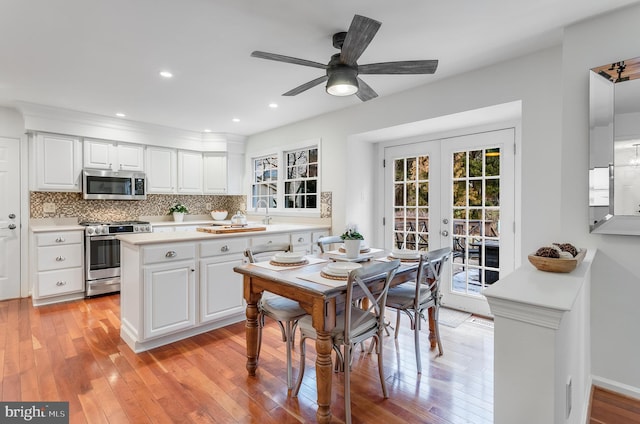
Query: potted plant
(178, 210)
(352, 239)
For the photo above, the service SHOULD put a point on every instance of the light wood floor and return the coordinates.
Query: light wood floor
(608, 407)
(73, 352)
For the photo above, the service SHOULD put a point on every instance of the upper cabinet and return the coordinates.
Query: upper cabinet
(58, 160)
(235, 172)
(215, 173)
(189, 172)
(162, 175)
(102, 154)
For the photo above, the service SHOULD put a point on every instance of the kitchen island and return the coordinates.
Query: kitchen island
(179, 284)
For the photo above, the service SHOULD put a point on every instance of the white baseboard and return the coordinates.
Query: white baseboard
(616, 386)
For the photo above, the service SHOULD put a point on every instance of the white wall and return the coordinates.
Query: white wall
(616, 276)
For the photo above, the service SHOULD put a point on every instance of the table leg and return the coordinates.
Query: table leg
(432, 329)
(252, 336)
(324, 373)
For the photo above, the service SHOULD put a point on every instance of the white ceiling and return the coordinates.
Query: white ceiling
(104, 56)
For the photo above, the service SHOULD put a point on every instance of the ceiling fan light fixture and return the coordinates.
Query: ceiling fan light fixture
(343, 81)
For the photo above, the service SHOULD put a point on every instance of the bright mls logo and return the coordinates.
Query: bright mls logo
(34, 412)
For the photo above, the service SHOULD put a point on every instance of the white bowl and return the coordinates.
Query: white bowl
(340, 269)
(405, 254)
(288, 257)
(219, 215)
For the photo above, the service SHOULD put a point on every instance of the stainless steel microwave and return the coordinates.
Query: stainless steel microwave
(113, 185)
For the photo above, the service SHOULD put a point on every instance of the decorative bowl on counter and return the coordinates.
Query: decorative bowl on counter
(557, 264)
(219, 215)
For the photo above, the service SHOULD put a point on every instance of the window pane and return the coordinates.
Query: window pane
(423, 167)
(411, 169)
(492, 192)
(423, 194)
(475, 193)
(459, 165)
(313, 155)
(493, 162)
(312, 201)
(313, 170)
(460, 193)
(311, 186)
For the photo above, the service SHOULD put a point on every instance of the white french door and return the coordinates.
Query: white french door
(456, 192)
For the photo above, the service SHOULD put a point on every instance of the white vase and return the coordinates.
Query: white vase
(352, 248)
(178, 216)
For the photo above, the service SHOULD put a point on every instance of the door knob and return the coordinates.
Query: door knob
(444, 232)
(11, 226)
(445, 221)
(12, 216)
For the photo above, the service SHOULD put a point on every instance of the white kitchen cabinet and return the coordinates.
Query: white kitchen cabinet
(162, 174)
(169, 297)
(215, 173)
(57, 261)
(315, 236)
(169, 288)
(301, 242)
(189, 172)
(220, 286)
(58, 163)
(102, 154)
(235, 173)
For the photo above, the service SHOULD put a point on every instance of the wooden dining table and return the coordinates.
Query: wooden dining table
(322, 302)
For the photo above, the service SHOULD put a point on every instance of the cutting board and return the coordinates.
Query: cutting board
(224, 229)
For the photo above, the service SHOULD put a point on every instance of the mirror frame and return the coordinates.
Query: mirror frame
(602, 82)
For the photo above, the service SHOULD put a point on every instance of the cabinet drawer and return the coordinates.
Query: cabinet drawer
(317, 234)
(223, 247)
(301, 239)
(52, 283)
(168, 253)
(274, 238)
(59, 238)
(59, 257)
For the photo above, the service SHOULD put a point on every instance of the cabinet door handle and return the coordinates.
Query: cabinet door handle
(300, 240)
(60, 258)
(224, 248)
(193, 270)
(171, 254)
(61, 283)
(60, 240)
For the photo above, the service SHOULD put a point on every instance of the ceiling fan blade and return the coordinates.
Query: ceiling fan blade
(402, 67)
(360, 34)
(365, 92)
(306, 86)
(287, 59)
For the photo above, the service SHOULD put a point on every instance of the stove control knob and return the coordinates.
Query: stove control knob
(90, 230)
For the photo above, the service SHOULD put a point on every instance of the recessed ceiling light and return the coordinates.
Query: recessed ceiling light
(120, 115)
(273, 105)
(207, 130)
(166, 74)
(236, 119)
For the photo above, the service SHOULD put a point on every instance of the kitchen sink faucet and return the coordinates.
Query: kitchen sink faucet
(267, 219)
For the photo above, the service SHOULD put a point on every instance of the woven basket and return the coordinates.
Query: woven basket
(557, 264)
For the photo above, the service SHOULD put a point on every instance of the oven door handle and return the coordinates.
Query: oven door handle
(98, 238)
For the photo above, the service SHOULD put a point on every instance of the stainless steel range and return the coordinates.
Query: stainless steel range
(102, 253)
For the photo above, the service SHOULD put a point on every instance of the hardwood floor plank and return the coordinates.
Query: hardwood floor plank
(73, 352)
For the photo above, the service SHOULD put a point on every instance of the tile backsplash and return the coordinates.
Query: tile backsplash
(72, 205)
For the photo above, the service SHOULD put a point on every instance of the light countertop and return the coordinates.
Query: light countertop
(169, 237)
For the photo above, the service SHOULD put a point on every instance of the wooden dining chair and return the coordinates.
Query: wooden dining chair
(416, 299)
(356, 324)
(284, 311)
(325, 241)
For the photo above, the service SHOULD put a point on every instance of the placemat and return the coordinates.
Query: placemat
(309, 261)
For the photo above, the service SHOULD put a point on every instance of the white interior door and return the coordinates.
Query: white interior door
(456, 192)
(9, 218)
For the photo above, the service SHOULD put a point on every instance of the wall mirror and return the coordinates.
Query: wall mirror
(614, 148)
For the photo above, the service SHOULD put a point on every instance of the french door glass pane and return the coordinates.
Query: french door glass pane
(411, 203)
(476, 219)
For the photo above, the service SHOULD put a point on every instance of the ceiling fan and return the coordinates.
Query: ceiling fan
(342, 70)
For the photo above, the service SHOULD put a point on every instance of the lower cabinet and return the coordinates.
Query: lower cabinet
(57, 266)
(220, 288)
(174, 290)
(169, 297)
